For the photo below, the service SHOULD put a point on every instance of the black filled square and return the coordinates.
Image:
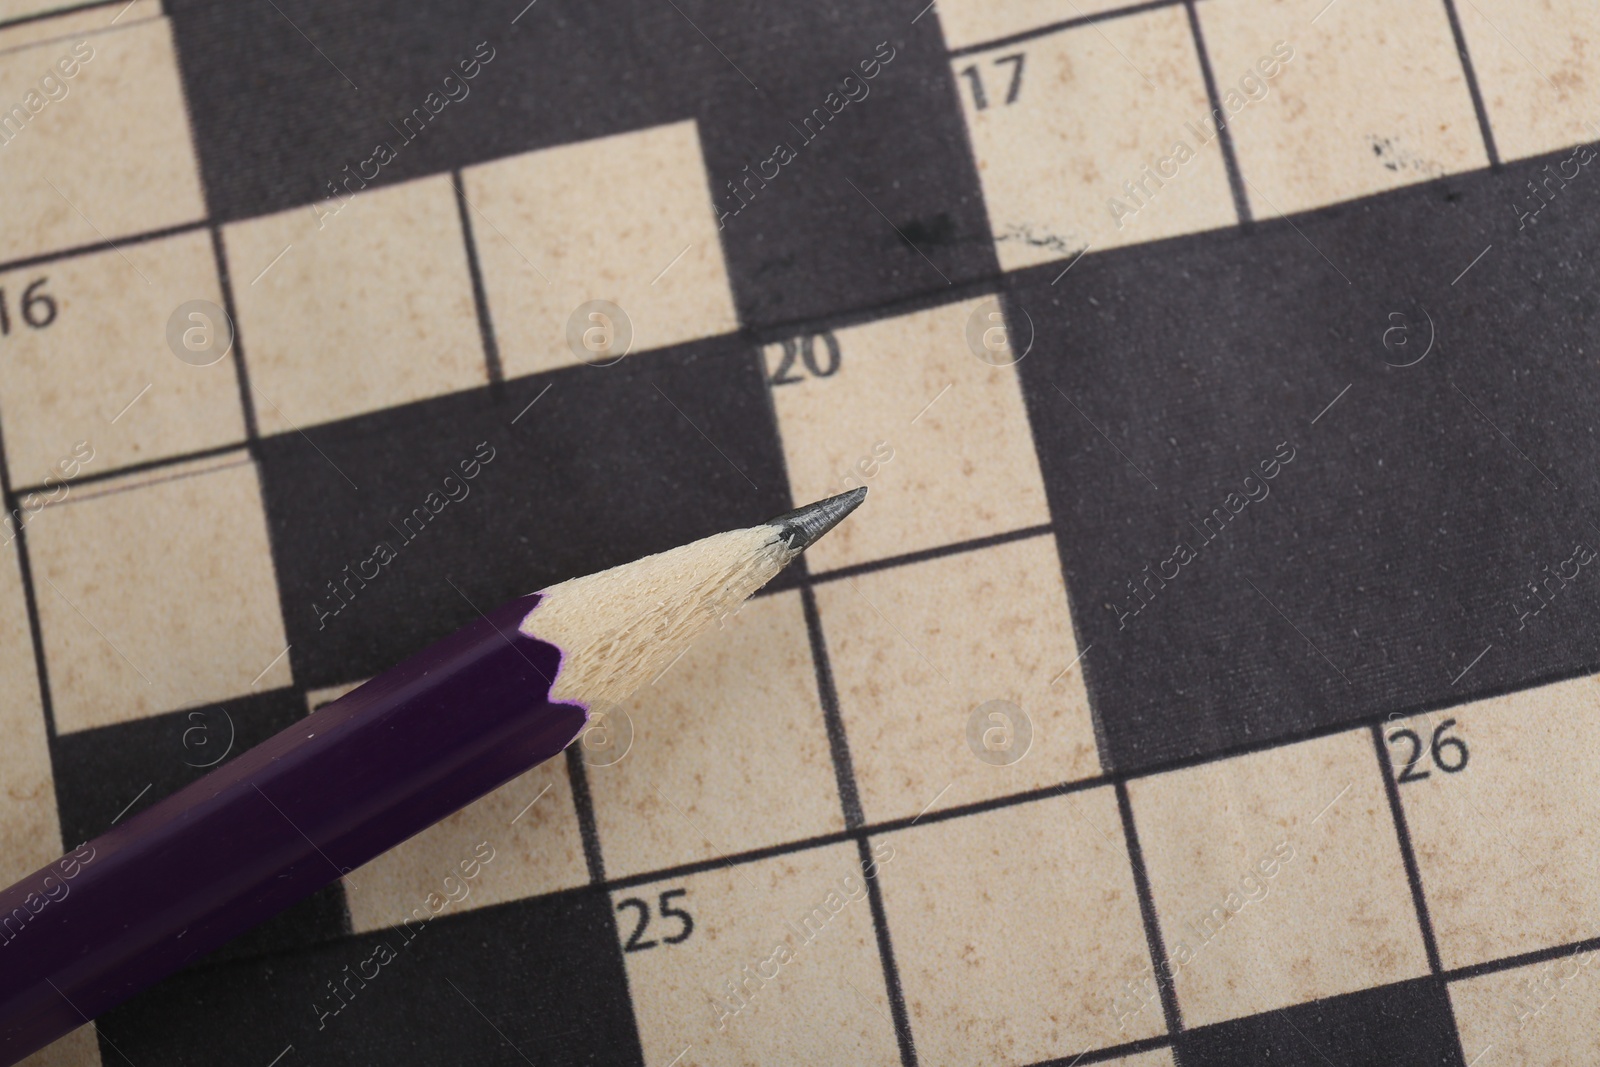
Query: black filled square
(536, 981)
(1385, 566)
(879, 201)
(1405, 1025)
(457, 504)
(100, 772)
(287, 98)
(108, 775)
(879, 197)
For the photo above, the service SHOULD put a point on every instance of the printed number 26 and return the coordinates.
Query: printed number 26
(1449, 753)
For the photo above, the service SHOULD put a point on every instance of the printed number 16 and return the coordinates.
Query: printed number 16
(38, 309)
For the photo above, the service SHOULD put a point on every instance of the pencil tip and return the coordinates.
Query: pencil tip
(803, 527)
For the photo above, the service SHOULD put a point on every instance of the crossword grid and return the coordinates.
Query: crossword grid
(857, 827)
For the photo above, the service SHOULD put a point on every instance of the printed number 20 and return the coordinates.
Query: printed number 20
(980, 99)
(636, 941)
(805, 350)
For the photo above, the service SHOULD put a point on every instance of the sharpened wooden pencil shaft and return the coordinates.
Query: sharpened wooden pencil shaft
(360, 775)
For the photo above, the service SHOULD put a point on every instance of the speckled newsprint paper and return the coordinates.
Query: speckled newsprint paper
(1211, 677)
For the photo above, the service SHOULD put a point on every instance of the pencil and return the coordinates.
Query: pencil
(362, 774)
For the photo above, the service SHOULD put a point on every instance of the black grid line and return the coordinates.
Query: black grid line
(955, 548)
(888, 826)
(480, 298)
(98, 31)
(1473, 89)
(1165, 984)
(1110, 1052)
(57, 12)
(105, 245)
(1407, 855)
(177, 459)
(844, 774)
(247, 402)
(583, 803)
(891, 972)
(219, 256)
(1065, 24)
(30, 600)
(1230, 158)
(167, 474)
(845, 316)
(1524, 959)
(733, 859)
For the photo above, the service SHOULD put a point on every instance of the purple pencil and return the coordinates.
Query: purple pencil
(360, 775)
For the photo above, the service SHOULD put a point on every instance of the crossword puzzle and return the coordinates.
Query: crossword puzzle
(1085, 740)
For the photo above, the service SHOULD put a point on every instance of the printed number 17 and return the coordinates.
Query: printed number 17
(980, 100)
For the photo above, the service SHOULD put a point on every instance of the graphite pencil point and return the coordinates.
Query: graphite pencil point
(804, 526)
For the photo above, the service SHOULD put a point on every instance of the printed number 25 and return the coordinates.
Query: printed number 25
(636, 941)
(980, 99)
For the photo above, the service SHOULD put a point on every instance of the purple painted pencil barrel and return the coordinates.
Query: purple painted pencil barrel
(344, 785)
